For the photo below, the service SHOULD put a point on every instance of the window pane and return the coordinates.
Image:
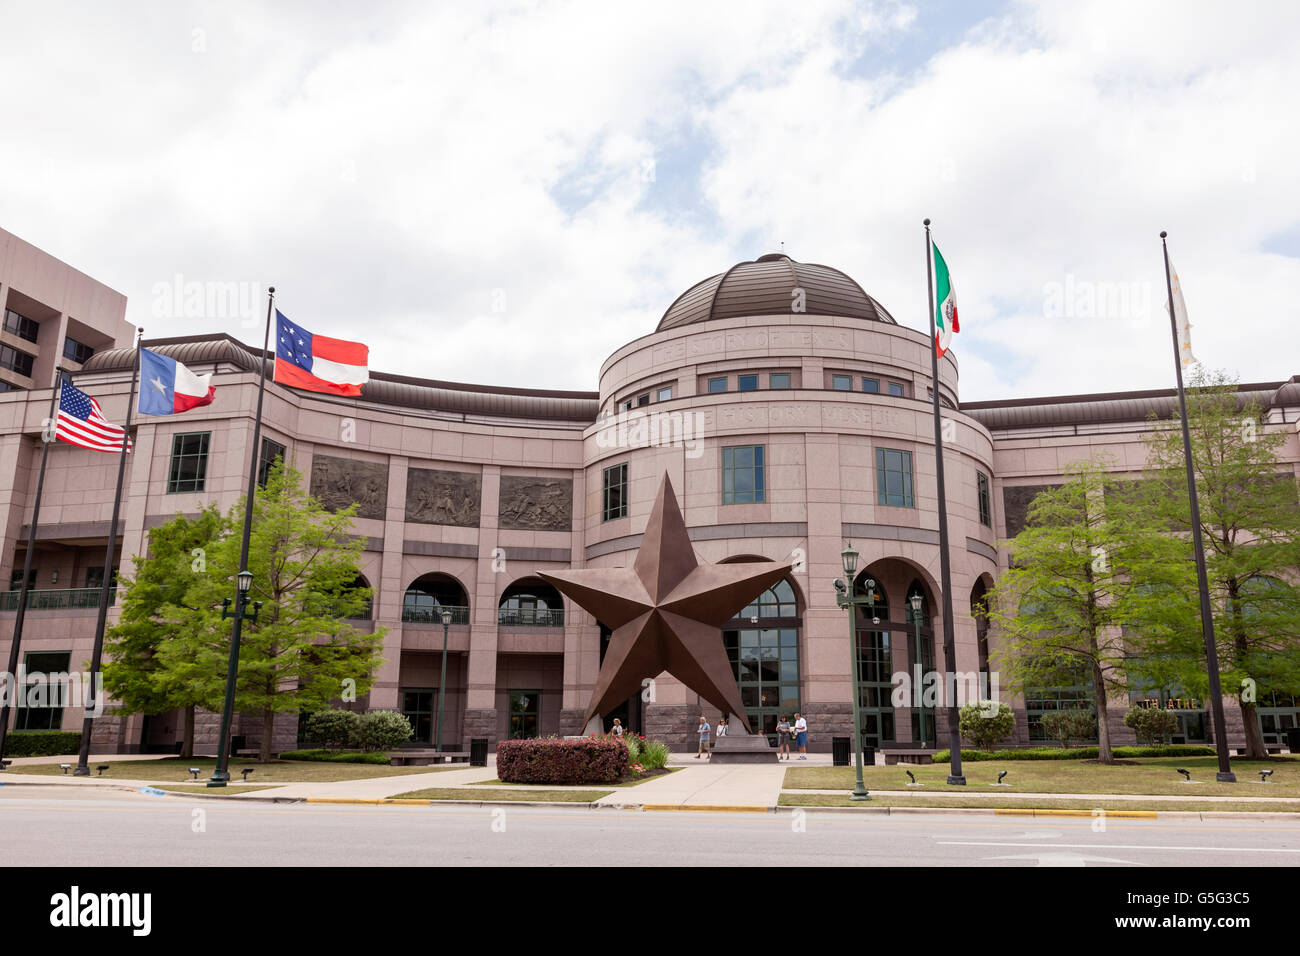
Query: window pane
(779, 380)
(717, 385)
(747, 383)
(842, 383)
(871, 385)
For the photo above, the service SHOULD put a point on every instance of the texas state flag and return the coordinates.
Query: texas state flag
(318, 363)
(168, 387)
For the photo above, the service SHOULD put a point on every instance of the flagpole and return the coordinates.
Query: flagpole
(221, 775)
(91, 698)
(945, 576)
(1225, 774)
(47, 438)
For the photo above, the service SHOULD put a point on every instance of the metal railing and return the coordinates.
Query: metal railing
(56, 599)
(530, 617)
(433, 615)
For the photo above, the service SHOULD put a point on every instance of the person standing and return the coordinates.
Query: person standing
(703, 730)
(722, 729)
(801, 735)
(783, 733)
(617, 729)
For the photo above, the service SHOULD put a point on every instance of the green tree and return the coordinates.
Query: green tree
(1250, 525)
(301, 652)
(1060, 606)
(982, 728)
(133, 673)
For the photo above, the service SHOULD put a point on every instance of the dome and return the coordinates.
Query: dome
(763, 287)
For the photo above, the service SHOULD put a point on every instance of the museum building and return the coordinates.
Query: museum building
(785, 435)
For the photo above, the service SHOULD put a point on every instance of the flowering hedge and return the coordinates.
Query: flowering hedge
(589, 760)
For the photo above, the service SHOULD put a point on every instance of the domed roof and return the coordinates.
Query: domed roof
(763, 287)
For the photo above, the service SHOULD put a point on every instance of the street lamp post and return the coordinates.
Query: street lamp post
(243, 583)
(442, 681)
(916, 600)
(844, 598)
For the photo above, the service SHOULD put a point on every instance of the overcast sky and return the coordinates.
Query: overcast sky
(505, 193)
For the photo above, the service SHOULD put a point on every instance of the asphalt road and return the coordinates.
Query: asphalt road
(65, 828)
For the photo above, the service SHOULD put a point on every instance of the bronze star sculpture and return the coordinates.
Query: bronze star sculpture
(665, 612)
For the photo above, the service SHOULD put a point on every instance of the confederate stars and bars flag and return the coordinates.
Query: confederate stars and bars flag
(80, 422)
(318, 363)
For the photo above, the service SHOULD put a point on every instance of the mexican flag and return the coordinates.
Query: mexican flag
(945, 313)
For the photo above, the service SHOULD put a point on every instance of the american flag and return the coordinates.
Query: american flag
(81, 422)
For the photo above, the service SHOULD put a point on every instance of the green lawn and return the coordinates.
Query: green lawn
(504, 795)
(886, 799)
(494, 782)
(174, 770)
(1156, 775)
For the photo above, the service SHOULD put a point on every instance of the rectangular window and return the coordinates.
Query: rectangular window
(272, 451)
(871, 385)
(19, 362)
(48, 714)
(742, 475)
(95, 577)
(643, 399)
(189, 465)
(746, 383)
(21, 326)
(16, 579)
(525, 713)
(894, 478)
(842, 383)
(614, 499)
(417, 707)
(778, 380)
(897, 390)
(986, 508)
(664, 394)
(717, 385)
(76, 351)
(627, 406)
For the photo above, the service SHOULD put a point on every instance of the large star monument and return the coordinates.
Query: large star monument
(665, 613)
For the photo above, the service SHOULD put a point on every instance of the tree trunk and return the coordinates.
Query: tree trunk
(187, 734)
(268, 728)
(1104, 754)
(1254, 735)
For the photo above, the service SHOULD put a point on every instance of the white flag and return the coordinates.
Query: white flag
(1180, 320)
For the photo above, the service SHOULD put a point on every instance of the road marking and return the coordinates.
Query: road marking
(1176, 848)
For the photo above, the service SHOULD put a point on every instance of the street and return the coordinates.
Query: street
(63, 827)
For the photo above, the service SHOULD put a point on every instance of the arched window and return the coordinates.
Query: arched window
(429, 595)
(875, 662)
(762, 643)
(530, 602)
(367, 610)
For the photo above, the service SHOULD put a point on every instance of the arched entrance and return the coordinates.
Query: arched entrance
(762, 643)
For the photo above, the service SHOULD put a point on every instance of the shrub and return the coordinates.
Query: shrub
(336, 756)
(1073, 723)
(333, 728)
(1151, 724)
(1076, 753)
(985, 731)
(42, 743)
(654, 755)
(589, 760)
(383, 730)
(634, 746)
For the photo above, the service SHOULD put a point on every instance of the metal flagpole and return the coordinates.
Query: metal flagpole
(47, 438)
(945, 577)
(91, 697)
(1225, 774)
(221, 775)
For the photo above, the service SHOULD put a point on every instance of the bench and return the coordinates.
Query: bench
(425, 758)
(1271, 749)
(909, 756)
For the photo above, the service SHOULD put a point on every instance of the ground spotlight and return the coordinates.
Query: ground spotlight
(65, 767)
(195, 771)
(246, 771)
(1187, 776)
(910, 776)
(1001, 774)
(101, 768)
(1264, 775)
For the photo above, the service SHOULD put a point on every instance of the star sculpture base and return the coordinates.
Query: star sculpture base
(666, 612)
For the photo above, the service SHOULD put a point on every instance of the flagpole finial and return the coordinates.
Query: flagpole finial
(271, 290)
(1163, 234)
(927, 222)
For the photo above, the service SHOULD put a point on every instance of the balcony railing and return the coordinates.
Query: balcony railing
(530, 617)
(56, 599)
(433, 615)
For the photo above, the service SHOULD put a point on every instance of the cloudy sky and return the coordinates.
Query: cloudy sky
(505, 192)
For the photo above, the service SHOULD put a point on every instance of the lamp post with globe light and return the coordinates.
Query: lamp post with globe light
(844, 598)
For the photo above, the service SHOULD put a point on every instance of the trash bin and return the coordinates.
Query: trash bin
(868, 756)
(478, 747)
(840, 749)
(1293, 739)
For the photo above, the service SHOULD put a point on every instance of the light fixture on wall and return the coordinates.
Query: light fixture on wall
(54, 577)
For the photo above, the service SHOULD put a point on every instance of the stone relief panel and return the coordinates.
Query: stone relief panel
(338, 482)
(536, 504)
(443, 497)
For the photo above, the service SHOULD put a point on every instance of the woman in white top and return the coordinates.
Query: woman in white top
(722, 726)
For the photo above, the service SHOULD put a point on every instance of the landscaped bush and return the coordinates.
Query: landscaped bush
(1075, 753)
(336, 756)
(985, 731)
(383, 730)
(589, 760)
(654, 755)
(634, 745)
(333, 728)
(1151, 724)
(42, 743)
(1071, 724)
